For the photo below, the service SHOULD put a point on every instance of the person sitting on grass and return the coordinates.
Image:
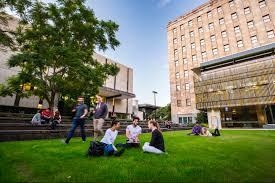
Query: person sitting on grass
(196, 130)
(156, 144)
(132, 133)
(109, 139)
(56, 120)
(36, 120)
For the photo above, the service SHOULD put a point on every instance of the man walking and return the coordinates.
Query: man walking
(81, 111)
(100, 114)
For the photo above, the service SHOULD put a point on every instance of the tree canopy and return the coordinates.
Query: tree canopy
(56, 44)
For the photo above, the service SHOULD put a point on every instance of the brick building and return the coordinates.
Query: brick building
(216, 32)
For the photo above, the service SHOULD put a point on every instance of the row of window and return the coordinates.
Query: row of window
(262, 3)
(187, 102)
(254, 40)
(185, 73)
(250, 24)
(186, 87)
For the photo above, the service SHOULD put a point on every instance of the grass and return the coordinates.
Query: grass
(236, 156)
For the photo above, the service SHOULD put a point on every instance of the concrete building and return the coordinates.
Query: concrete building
(117, 90)
(210, 34)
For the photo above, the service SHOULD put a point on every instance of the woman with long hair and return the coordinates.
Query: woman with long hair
(156, 144)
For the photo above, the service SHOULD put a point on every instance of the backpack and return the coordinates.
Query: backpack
(96, 148)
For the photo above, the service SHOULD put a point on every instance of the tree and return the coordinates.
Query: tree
(56, 43)
(7, 35)
(163, 113)
(202, 117)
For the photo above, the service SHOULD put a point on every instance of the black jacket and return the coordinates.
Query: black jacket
(101, 112)
(157, 140)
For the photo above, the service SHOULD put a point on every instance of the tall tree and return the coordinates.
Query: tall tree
(56, 43)
(6, 34)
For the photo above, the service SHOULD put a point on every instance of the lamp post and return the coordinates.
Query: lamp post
(154, 92)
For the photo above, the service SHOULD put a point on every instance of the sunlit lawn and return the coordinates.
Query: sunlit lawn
(236, 156)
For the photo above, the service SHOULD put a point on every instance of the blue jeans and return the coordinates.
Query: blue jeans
(75, 123)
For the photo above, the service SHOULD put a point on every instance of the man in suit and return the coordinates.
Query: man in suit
(100, 113)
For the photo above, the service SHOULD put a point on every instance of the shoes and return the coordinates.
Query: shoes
(63, 141)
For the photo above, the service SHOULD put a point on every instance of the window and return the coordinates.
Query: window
(176, 63)
(240, 43)
(250, 24)
(190, 23)
(221, 20)
(202, 42)
(200, 30)
(224, 34)
(193, 45)
(177, 87)
(234, 16)
(215, 51)
(213, 38)
(176, 53)
(209, 14)
(254, 39)
(186, 73)
(188, 102)
(270, 34)
(247, 10)
(231, 3)
(199, 18)
(203, 54)
(177, 75)
(175, 31)
(237, 29)
(187, 86)
(181, 27)
(266, 18)
(178, 103)
(175, 41)
(219, 9)
(211, 25)
(191, 33)
(262, 3)
(182, 37)
(194, 57)
(226, 47)
(184, 61)
(183, 49)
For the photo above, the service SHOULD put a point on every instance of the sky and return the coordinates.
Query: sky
(143, 38)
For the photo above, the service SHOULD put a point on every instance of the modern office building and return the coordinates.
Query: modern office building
(117, 90)
(204, 42)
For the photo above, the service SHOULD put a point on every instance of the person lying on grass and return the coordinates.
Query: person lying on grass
(156, 144)
(109, 139)
(196, 130)
(132, 133)
(205, 132)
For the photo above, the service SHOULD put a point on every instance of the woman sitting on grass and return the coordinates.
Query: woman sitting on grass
(109, 139)
(157, 143)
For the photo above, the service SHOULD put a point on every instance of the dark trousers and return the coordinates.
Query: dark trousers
(75, 123)
(216, 132)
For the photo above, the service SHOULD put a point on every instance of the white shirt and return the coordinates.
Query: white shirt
(134, 131)
(109, 137)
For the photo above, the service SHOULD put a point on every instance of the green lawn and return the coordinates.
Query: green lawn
(236, 156)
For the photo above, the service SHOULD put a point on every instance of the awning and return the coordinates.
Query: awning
(117, 94)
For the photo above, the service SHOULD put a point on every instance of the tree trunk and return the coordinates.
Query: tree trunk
(51, 102)
(17, 100)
